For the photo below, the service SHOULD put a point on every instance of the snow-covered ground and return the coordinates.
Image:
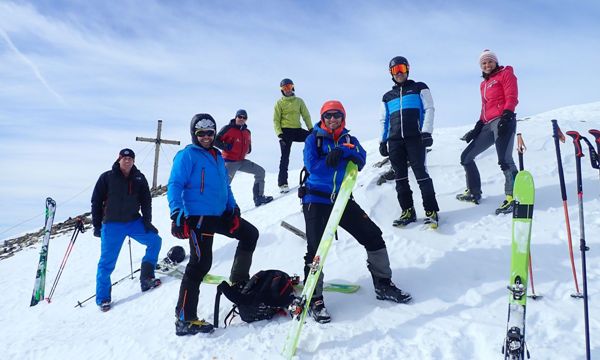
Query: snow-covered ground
(457, 274)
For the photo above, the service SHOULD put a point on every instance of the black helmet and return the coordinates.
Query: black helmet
(286, 81)
(176, 254)
(398, 60)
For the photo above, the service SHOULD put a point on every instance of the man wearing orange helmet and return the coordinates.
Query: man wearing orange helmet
(327, 151)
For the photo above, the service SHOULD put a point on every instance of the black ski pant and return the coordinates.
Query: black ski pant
(285, 143)
(354, 220)
(202, 230)
(504, 147)
(411, 150)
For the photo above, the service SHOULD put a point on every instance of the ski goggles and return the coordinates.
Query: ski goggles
(336, 115)
(287, 87)
(242, 117)
(202, 133)
(400, 68)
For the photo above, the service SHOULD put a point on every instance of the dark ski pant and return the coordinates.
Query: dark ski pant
(354, 220)
(285, 143)
(112, 236)
(202, 230)
(249, 167)
(504, 147)
(411, 150)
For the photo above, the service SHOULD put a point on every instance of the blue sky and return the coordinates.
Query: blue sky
(81, 79)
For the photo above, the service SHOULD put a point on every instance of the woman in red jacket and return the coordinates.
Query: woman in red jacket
(496, 126)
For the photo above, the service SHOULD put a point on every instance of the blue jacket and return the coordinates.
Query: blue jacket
(406, 111)
(324, 179)
(199, 183)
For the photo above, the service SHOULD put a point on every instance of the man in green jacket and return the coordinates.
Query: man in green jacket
(286, 120)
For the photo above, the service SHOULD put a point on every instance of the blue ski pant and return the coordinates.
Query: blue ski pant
(112, 237)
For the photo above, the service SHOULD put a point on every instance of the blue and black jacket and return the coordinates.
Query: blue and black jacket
(324, 182)
(199, 184)
(407, 110)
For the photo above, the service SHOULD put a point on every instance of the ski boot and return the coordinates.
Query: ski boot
(469, 197)
(193, 327)
(318, 311)
(507, 206)
(283, 189)
(259, 200)
(431, 219)
(408, 216)
(149, 283)
(105, 305)
(386, 290)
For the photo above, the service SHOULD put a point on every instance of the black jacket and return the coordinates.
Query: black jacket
(119, 199)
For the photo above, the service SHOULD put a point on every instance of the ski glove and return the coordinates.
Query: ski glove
(149, 227)
(505, 124)
(383, 149)
(426, 139)
(334, 157)
(473, 133)
(179, 226)
(282, 142)
(232, 217)
(97, 231)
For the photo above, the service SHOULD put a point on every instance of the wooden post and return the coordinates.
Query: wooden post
(157, 141)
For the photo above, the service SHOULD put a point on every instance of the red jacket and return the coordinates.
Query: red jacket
(235, 141)
(499, 92)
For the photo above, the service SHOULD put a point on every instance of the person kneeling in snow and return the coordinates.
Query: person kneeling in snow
(118, 196)
(327, 151)
(200, 199)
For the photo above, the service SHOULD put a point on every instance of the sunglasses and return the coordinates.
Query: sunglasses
(337, 115)
(242, 117)
(400, 68)
(287, 87)
(202, 133)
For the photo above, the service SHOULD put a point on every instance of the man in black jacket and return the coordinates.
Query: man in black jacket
(407, 123)
(118, 196)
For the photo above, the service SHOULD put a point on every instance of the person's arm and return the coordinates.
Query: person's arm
(427, 101)
(312, 161)
(145, 200)
(180, 173)
(355, 152)
(277, 119)
(98, 197)
(220, 141)
(384, 121)
(511, 89)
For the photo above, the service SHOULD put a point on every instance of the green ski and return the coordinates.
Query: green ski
(303, 304)
(168, 268)
(524, 194)
(40, 276)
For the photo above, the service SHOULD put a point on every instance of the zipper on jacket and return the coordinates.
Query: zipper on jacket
(202, 181)
(401, 119)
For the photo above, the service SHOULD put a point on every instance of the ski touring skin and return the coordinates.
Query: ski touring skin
(300, 306)
(40, 275)
(524, 194)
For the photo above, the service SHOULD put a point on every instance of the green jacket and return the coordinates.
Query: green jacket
(287, 114)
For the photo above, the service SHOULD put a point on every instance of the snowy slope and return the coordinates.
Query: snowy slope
(457, 274)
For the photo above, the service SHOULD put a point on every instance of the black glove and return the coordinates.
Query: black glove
(505, 124)
(334, 157)
(473, 133)
(179, 226)
(149, 227)
(233, 219)
(426, 139)
(282, 142)
(383, 150)
(97, 231)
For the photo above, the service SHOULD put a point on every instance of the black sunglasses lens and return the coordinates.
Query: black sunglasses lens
(336, 115)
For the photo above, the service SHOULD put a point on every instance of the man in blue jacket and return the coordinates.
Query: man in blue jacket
(202, 204)
(407, 122)
(118, 196)
(327, 151)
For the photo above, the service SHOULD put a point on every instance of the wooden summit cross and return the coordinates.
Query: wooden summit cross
(157, 141)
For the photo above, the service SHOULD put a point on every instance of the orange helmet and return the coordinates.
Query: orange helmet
(333, 105)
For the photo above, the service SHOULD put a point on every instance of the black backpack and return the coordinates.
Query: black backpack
(264, 295)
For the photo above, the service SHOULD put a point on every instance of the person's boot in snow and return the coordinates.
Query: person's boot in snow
(259, 198)
(469, 197)
(193, 327)
(318, 311)
(105, 305)
(386, 290)
(408, 216)
(507, 206)
(147, 279)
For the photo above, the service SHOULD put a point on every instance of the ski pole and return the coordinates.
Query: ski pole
(521, 148)
(558, 136)
(80, 303)
(582, 246)
(78, 228)
(130, 259)
(596, 134)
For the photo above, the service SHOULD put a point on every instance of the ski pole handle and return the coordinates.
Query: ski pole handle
(576, 142)
(556, 132)
(521, 148)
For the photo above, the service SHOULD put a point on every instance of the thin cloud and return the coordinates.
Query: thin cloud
(31, 65)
